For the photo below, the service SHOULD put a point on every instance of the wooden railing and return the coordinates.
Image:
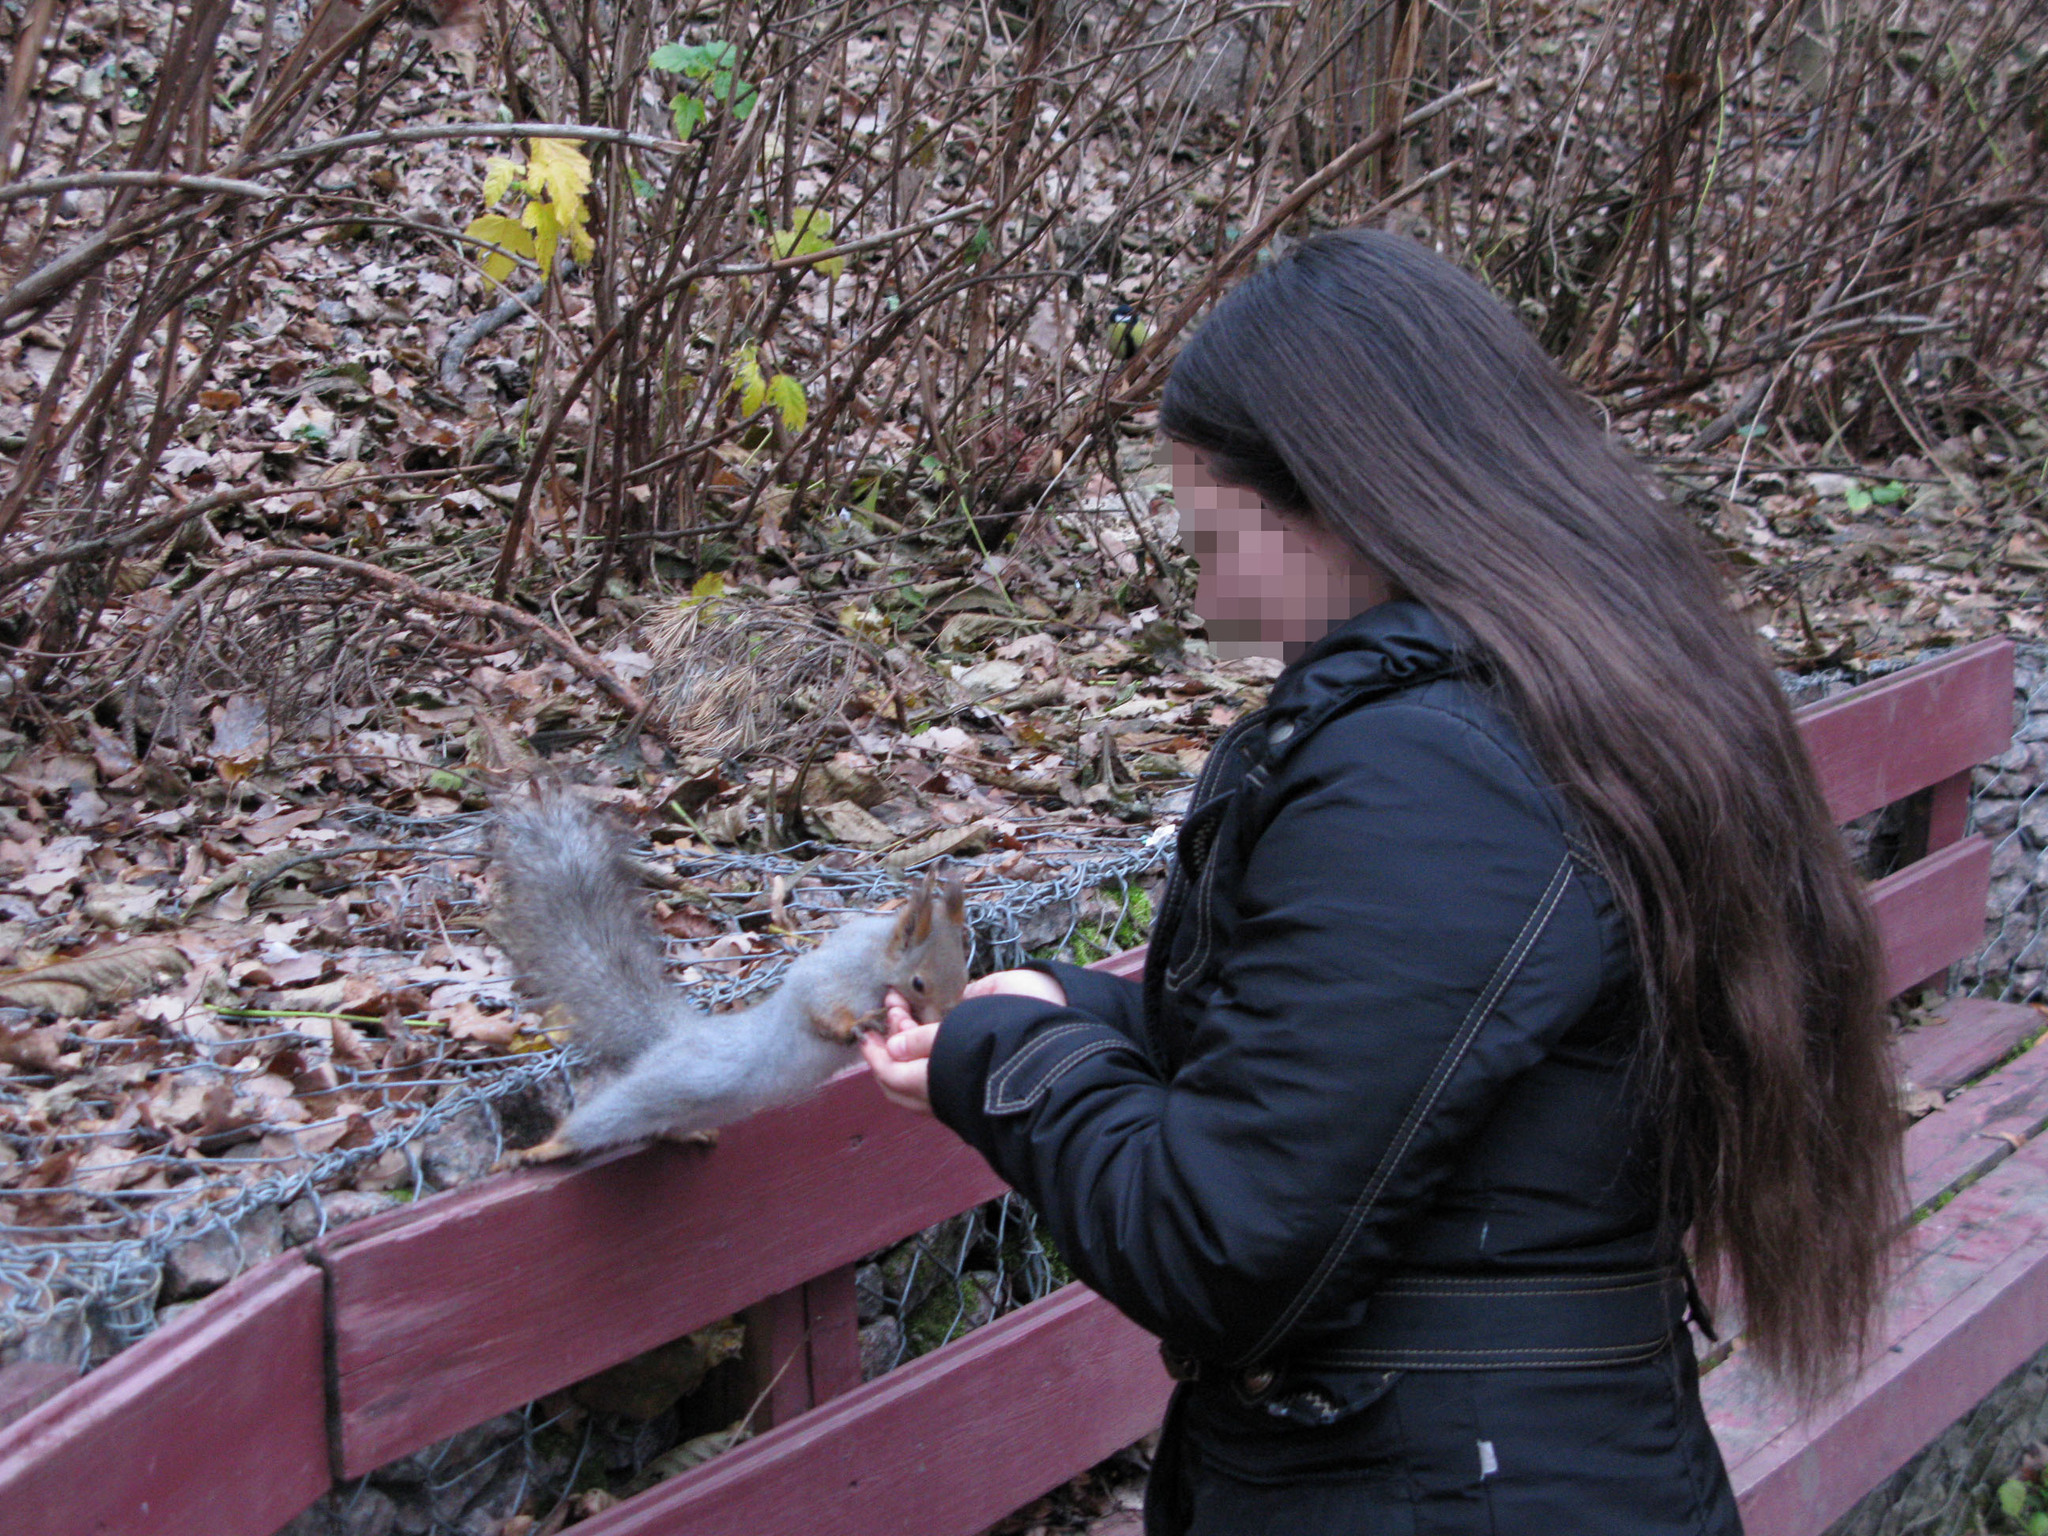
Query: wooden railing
(394, 1333)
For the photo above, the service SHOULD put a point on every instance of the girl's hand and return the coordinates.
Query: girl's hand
(902, 1061)
(1018, 983)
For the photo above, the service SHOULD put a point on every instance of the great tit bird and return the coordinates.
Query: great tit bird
(1127, 333)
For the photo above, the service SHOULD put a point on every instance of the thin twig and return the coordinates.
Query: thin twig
(169, 181)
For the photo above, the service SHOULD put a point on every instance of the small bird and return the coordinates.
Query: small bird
(1127, 332)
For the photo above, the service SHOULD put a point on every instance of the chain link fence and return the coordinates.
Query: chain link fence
(79, 1292)
(2010, 806)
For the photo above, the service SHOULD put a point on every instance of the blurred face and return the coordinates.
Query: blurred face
(1272, 584)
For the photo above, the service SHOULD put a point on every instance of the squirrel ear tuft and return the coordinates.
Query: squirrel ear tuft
(955, 894)
(914, 922)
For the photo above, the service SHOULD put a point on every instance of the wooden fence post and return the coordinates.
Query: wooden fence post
(803, 1347)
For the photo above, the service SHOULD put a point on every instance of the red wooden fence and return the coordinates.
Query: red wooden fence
(394, 1333)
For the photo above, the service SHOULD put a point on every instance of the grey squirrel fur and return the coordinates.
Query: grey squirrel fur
(572, 914)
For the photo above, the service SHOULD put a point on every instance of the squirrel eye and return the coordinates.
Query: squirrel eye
(917, 983)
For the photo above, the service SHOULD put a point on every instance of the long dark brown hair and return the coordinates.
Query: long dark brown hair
(1367, 384)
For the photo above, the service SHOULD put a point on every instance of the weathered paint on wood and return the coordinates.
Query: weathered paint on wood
(803, 1347)
(1948, 809)
(1973, 1035)
(489, 1297)
(832, 1321)
(778, 1364)
(1970, 1134)
(28, 1384)
(1970, 1307)
(1931, 914)
(1130, 964)
(215, 1424)
(1976, 1130)
(1892, 738)
(943, 1446)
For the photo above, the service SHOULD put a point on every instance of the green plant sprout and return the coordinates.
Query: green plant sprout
(810, 231)
(756, 389)
(2023, 1504)
(711, 66)
(1862, 499)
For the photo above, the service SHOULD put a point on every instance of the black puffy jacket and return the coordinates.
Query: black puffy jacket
(1385, 1031)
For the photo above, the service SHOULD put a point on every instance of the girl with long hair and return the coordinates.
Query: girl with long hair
(1511, 987)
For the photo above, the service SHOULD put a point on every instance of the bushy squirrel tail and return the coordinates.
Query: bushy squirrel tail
(574, 919)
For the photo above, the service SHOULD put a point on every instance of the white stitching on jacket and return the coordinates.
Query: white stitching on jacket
(1034, 1048)
(1053, 1074)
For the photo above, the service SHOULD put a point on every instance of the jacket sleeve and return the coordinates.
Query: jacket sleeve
(1115, 1000)
(1412, 935)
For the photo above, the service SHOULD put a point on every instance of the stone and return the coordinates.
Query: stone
(444, 1458)
(462, 1150)
(1995, 818)
(2008, 858)
(165, 1316)
(63, 1338)
(655, 1380)
(356, 1510)
(302, 1218)
(881, 1343)
(2016, 758)
(983, 1290)
(912, 1270)
(2033, 822)
(2007, 895)
(213, 1258)
(870, 1300)
(2002, 951)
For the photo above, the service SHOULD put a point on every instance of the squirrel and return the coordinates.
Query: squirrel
(572, 914)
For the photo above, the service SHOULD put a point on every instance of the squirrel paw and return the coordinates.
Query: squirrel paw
(553, 1150)
(843, 1025)
(691, 1138)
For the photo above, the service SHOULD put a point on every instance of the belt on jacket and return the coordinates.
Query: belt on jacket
(1431, 1322)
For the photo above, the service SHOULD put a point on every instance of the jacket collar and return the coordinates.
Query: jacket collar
(1387, 648)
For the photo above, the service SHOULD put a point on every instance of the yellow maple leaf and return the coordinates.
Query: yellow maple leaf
(499, 174)
(506, 234)
(546, 225)
(557, 170)
(786, 394)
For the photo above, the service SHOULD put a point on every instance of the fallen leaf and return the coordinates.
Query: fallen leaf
(33, 1050)
(466, 1021)
(72, 988)
(241, 736)
(845, 822)
(971, 838)
(115, 905)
